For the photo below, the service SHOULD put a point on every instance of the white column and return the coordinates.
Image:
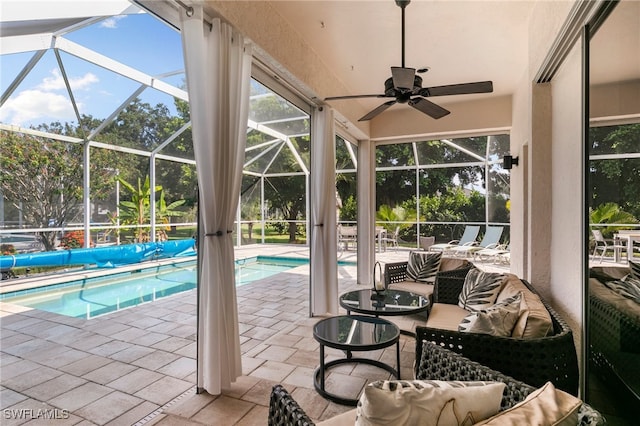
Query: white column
(366, 216)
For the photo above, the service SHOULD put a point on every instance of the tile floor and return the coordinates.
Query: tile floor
(137, 366)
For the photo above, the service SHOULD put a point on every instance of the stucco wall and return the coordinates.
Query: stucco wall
(568, 193)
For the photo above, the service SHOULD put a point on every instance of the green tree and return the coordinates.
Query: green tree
(615, 180)
(611, 213)
(452, 206)
(43, 178)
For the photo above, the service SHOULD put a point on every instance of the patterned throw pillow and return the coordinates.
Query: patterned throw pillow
(629, 288)
(480, 289)
(423, 267)
(428, 402)
(497, 320)
(634, 270)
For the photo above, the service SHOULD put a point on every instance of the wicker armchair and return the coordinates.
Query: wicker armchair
(535, 361)
(436, 363)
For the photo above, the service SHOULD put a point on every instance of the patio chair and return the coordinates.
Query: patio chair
(392, 238)
(490, 240)
(468, 237)
(347, 235)
(603, 244)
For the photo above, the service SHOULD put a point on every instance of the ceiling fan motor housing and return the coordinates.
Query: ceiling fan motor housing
(402, 95)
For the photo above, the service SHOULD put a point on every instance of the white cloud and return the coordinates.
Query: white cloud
(42, 103)
(111, 22)
(30, 105)
(56, 82)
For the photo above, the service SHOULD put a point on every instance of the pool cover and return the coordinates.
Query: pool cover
(103, 257)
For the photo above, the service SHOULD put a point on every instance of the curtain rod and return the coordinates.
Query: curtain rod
(189, 11)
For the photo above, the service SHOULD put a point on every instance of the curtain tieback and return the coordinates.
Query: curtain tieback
(217, 233)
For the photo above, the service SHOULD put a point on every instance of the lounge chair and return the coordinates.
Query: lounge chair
(468, 237)
(498, 254)
(490, 240)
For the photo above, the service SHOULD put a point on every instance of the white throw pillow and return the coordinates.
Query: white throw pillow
(480, 289)
(428, 402)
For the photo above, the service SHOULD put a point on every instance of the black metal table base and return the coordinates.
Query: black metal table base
(319, 379)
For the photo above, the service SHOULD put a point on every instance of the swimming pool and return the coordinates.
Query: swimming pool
(92, 297)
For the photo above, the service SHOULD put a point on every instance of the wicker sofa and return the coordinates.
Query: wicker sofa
(435, 363)
(614, 336)
(534, 360)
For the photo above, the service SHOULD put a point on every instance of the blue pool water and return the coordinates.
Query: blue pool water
(97, 296)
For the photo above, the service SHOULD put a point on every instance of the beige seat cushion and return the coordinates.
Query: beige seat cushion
(446, 316)
(424, 289)
(344, 419)
(534, 320)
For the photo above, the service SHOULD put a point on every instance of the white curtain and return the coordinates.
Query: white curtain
(324, 274)
(218, 67)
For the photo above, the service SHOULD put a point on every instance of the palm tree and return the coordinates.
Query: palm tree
(611, 213)
(137, 211)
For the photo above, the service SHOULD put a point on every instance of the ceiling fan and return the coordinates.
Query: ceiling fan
(405, 86)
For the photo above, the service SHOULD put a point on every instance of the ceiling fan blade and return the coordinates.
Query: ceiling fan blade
(428, 107)
(337, 98)
(403, 78)
(377, 111)
(458, 89)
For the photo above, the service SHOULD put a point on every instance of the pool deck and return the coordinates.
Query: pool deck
(137, 366)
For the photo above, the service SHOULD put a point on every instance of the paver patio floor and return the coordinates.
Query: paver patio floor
(138, 365)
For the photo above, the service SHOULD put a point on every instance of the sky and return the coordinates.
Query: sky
(140, 41)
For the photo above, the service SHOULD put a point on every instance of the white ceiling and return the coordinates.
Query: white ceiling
(460, 41)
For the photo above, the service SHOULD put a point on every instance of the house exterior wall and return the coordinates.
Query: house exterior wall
(567, 195)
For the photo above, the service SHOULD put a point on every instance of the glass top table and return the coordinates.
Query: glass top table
(386, 303)
(353, 333)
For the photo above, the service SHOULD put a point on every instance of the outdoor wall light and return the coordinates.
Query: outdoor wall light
(508, 162)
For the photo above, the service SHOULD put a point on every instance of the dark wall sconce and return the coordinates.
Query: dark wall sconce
(508, 162)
